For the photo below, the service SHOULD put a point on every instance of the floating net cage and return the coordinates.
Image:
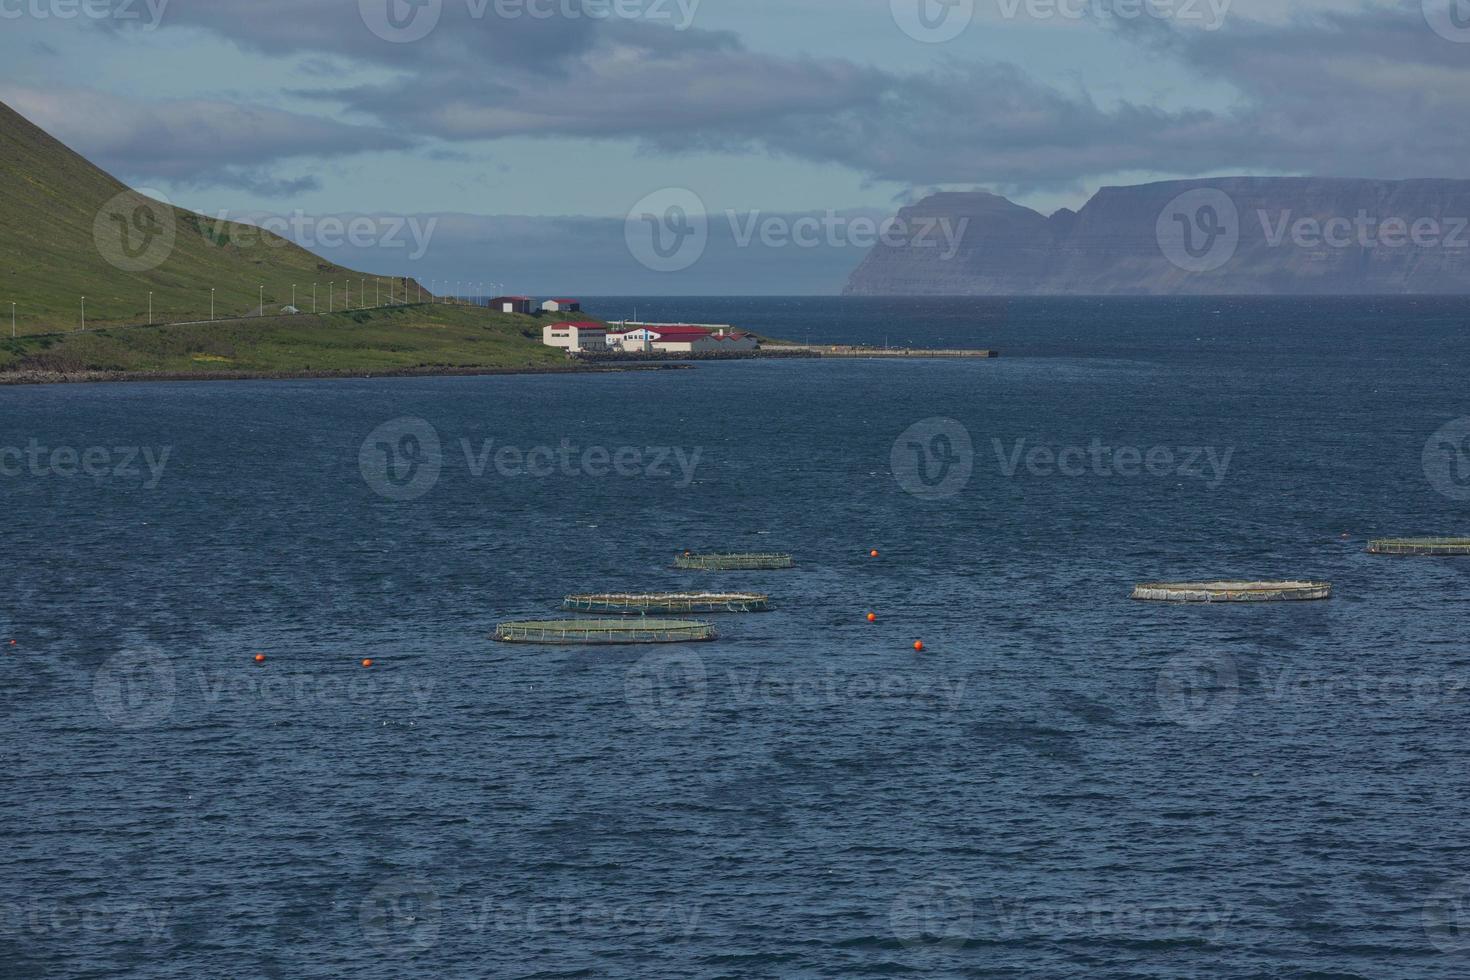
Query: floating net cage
(734, 563)
(1420, 546)
(670, 602)
(1233, 591)
(604, 631)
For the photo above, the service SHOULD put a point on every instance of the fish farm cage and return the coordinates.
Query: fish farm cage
(733, 563)
(1420, 546)
(669, 602)
(1233, 591)
(597, 632)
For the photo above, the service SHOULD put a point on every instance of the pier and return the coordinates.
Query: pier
(844, 350)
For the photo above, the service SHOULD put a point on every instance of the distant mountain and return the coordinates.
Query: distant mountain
(1228, 236)
(68, 229)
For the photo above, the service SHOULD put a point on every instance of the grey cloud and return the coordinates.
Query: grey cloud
(1372, 91)
(194, 141)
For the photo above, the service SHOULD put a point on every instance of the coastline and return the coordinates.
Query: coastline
(33, 377)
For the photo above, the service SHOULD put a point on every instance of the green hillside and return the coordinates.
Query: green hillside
(70, 230)
(379, 341)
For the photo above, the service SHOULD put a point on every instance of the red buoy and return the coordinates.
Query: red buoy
(872, 617)
(873, 554)
(367, 663)
(260, 658)
(919, 646)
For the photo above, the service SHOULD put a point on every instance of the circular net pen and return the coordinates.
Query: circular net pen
(734, 563)
(604, 632)
(1233, 591)
(1420, 546)
(669, 602)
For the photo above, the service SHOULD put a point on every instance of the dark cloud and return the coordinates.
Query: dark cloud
(1373, 91)
(196, 142)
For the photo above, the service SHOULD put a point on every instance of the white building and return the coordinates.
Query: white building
(562, 306)
(680, 339)
(575, 337)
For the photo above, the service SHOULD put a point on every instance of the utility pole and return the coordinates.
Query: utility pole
(362, 293)
(293, 296)
(377, 292)
(12, 321)
(261, 311)
(313, 298)
(331, 288)
(150, 308)
(84, 314)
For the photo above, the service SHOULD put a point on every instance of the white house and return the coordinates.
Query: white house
(562, 306)
(575, 337)
(680, 339)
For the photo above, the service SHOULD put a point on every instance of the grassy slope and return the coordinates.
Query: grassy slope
(50, 199)
(366, 341)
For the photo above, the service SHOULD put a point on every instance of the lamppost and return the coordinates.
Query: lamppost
(12, 321)
(293, 296)
(377, 292)
(150, 307)
(313, 298)
(331, 289)
(261, 311)
(84, 314)
(211, 304)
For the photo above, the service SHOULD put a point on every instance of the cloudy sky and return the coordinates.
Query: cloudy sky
(483, 113)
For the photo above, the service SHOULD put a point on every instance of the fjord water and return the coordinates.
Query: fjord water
(1065, 783)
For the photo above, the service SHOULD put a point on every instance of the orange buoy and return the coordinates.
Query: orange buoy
(872, 617)
(873, 554)
(260, 658)
(919, 646)
(367, 663)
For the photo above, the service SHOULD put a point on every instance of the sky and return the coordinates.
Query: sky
(526, 140)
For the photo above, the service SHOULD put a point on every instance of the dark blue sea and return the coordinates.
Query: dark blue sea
(1064, 783)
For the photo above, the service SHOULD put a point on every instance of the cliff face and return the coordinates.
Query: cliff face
(1229, 236)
